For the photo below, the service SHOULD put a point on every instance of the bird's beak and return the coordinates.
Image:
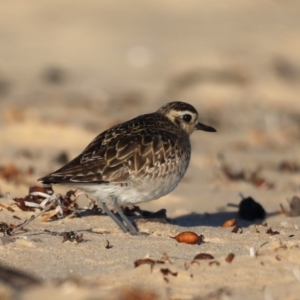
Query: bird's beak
(200, 126)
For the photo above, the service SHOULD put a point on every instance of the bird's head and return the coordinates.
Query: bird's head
(185, 116)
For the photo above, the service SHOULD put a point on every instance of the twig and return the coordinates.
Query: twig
(21, 226)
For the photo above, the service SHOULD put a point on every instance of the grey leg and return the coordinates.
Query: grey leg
(109, 213)
(128, 224)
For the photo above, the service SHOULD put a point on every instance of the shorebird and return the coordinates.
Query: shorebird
(137, 161)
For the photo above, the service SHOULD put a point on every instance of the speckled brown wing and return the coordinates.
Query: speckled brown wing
(120, 152)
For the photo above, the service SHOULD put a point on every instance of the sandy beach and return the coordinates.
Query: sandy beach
(70, 70)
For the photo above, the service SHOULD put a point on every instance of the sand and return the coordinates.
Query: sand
(70, 70)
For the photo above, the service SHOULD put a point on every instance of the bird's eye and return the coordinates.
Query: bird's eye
(187, 118)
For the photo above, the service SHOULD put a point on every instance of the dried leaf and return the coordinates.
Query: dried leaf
(188, 237)
(144, 261)
(147, 261)
(203, 256)
(236, 229)
(288, 166)
(136, 294)
(229, 223)
(47, 216)
(271, 232)
(79, 238)
(167, 272)
(2, 205)
(5, 228)
(71, 236)
(45, 189)
(229, 257)
(108, 245)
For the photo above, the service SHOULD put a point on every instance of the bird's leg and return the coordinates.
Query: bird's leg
(109, 213)
(128, 224)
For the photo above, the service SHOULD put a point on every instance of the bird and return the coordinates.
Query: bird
(137, 161)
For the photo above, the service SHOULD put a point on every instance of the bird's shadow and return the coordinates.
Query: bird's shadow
(215, 219)
(211, 219)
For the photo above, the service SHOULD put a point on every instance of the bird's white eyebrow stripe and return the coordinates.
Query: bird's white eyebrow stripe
(187, 112)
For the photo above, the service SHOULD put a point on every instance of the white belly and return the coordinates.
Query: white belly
(137, 190)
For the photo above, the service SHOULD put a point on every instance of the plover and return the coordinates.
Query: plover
(136, 161)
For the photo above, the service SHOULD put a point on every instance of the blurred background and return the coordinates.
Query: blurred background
(71, 69)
